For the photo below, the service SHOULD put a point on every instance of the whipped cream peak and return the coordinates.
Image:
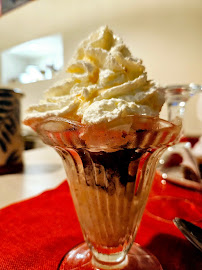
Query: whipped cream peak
(105, 82)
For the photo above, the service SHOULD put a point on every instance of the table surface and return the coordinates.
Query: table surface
(43, 170)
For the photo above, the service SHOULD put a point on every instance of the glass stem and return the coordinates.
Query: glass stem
(111, 261)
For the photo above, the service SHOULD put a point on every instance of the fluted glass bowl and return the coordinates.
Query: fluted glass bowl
(110, 168)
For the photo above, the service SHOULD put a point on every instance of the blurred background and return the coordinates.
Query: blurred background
(37, 39)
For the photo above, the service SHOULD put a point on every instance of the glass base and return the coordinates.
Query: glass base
(80, 257)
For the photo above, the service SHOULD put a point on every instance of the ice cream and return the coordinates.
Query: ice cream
(104, 82)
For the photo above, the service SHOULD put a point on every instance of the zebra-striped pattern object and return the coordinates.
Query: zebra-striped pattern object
(11, 143)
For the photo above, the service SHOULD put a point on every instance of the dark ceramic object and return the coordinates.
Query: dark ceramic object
(11, 142)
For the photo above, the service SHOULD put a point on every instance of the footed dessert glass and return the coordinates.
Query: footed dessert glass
(110, 168)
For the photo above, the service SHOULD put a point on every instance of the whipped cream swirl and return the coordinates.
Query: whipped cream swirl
(104, 83)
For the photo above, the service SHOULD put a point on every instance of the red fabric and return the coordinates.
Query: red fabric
(36, 233)
(161, 237)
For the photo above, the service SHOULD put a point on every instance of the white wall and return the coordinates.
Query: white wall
(14, 66)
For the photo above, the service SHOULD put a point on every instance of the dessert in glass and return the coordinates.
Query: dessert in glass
(103, 121)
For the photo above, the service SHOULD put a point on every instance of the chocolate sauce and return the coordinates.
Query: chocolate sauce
(121, 165)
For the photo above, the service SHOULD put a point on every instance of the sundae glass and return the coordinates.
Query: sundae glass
(104, 124)
(110, 168)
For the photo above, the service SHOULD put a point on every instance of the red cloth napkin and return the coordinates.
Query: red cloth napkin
(36, 233)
